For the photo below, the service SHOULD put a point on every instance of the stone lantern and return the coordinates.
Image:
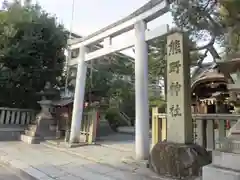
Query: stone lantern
(44, 126)
(47, 94)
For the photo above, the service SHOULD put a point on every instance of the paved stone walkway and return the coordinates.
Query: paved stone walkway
(123, 142)
(8, 174)
(46, 163)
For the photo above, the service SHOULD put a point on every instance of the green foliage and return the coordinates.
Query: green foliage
(107, 80)
(199, 17)
(113, 118)
(157, 59)
(205, 19)
(157, 102)
(31, 48)
(230, 18)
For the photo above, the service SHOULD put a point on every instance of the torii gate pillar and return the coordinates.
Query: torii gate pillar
(78, 97)
(141, 92)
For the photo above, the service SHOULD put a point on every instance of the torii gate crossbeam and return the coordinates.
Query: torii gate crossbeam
(137, 21)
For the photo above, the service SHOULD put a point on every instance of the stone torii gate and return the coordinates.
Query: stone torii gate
(137, 21)
(179, 116)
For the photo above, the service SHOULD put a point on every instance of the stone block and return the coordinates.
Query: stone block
(86, 173)
(30, 139)
(178, 160)
(52, 171)
(10, 132)
(231, 145)
(212, 172)
(68, 177)
(48, 178)
(226, 160)
(126, 175)
(99, 168)
(34, 173)
(9, 135)
(17, 166)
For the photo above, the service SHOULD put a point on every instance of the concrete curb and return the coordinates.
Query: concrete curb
(18, 172)
(23, 170)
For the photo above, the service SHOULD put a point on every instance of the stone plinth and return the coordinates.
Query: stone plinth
(225, 166)
(178, 160)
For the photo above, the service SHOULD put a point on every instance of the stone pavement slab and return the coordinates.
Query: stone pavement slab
(8, 174)
(46, 163)
(123, 142)
(114, 157)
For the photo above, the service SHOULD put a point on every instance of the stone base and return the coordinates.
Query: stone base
(231, 145)
(225, 165)
(43, 130)
(178, 160)
(10, 132)
(226, 160)
(212, 172)
(30, 139)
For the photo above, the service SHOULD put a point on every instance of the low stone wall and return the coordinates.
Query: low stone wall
(11, 132)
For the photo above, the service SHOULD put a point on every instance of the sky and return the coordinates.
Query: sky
(91, 15)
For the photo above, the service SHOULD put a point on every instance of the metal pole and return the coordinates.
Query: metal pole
(68, 49)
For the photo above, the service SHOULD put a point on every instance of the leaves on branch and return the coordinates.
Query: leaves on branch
(31, 48)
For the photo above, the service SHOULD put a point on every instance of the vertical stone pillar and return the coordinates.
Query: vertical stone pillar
(78, 104)
(200, 132)
(142, 142)
(180, 126)
(210, 135)
(156, 127)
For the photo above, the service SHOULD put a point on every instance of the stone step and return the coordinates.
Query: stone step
(226, 160)
(30, 139)
(211, 172)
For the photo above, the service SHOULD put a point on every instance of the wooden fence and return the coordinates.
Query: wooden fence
(209, 129)
(89, 126)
